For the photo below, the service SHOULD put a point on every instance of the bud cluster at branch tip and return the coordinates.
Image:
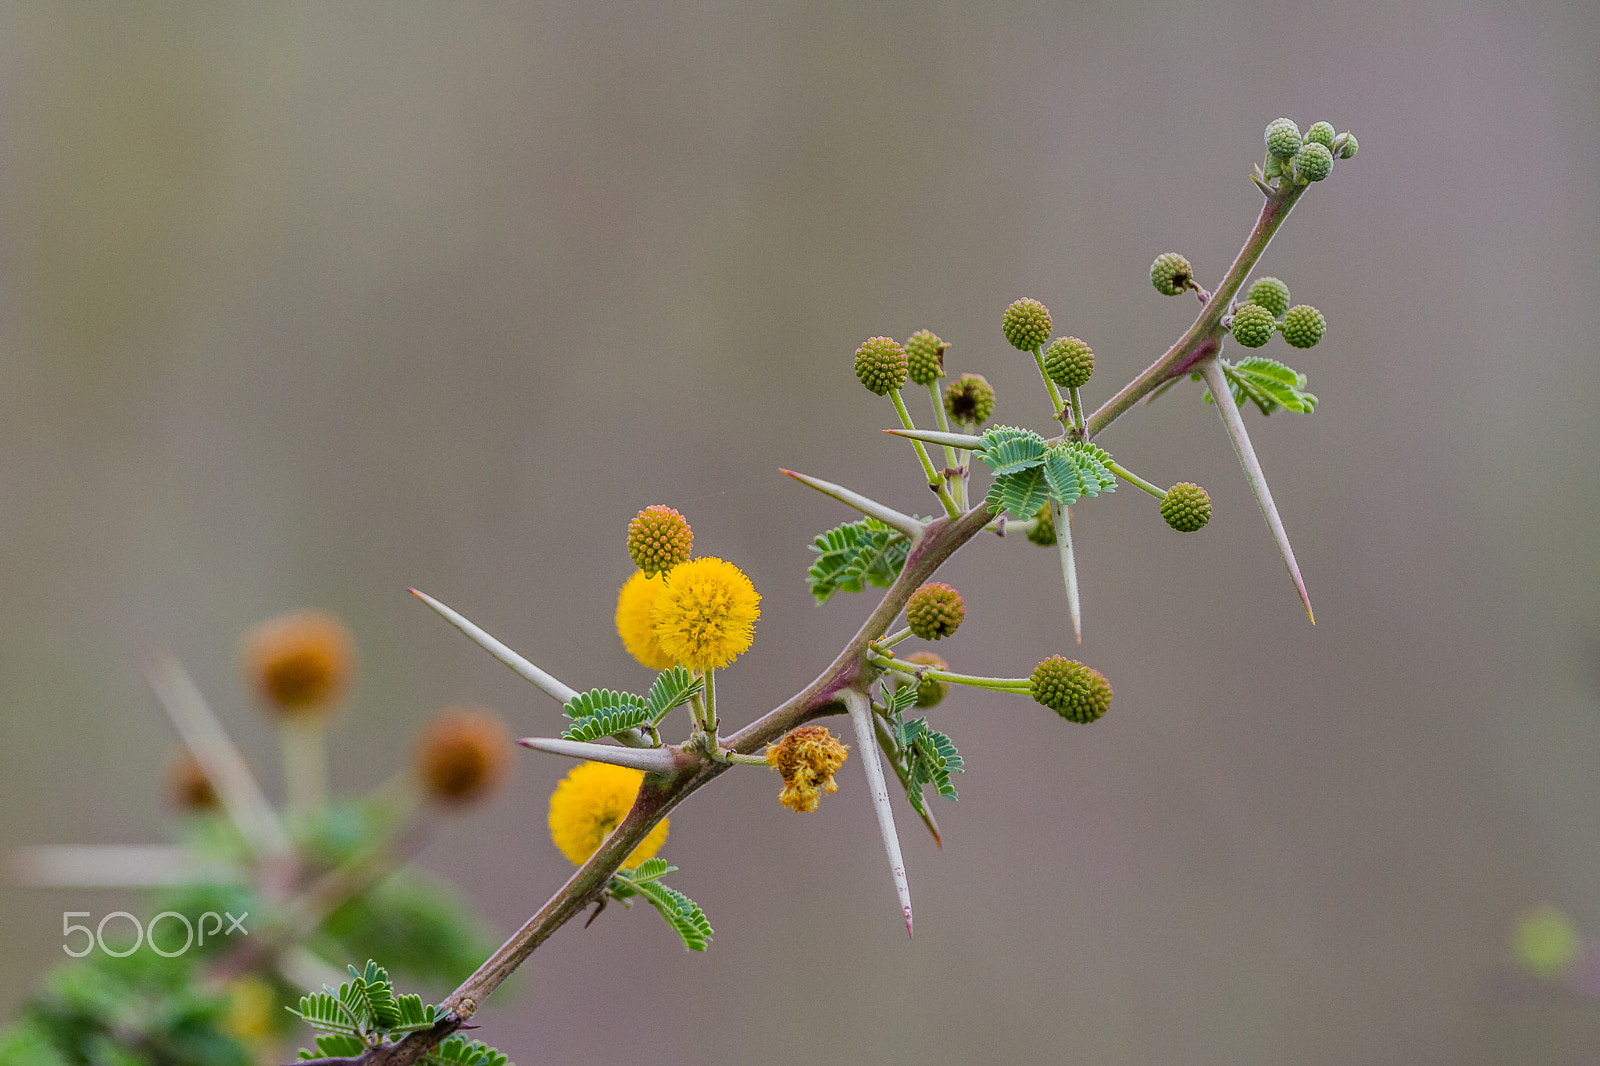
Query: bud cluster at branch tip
(1026, 324)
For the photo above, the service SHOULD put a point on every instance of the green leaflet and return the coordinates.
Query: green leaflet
(1267, 383)
(1028, 471)
(920, 755)
(1008, 450)
(366, 1013)
(1020, 493)
(604, 712)
(671, 688)
(855, 555)
(681, 913)
(459, 1051)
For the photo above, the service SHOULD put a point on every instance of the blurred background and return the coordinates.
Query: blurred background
(303, 305)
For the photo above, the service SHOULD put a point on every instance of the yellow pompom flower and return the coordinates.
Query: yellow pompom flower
(634, 623)
(705, 615)
(589, 803)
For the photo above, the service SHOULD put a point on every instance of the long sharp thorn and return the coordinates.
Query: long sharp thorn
(110, 866)
(1069, 565)
(964, 441)
(861, 717)
(205, 737)
(1233, 421)
(520, 666)
(650, 760)
(867, 506)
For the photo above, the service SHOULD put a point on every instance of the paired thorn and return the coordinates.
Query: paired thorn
(867, 742)
(1069, 564)
(650, 760)
(911, 527)
(964, 441)
(1233, 421)
(520, 666)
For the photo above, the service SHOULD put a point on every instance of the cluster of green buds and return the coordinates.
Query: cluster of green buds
(1266, 311)
(1305, 158)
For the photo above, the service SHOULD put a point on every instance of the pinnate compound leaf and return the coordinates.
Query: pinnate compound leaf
(1007, 449)
(681, 913)
(855, 555)
(1021, 493)
(932, 757)
(652, 869)
(323, 1010)
(1267, 383)
(602, 712)
(459, 1051)
(671, 689)
(335, 1046)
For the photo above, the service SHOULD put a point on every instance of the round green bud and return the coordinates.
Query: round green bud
(1270, 293)
(1313, 161)
(925, 357)
(1069, 362)
(1043, 532)
(1171, 274)
(1187, 507)
(1253, 325)
(1283, 138)
(969, 400)
(1320, 133)
(935, 611)
(881, 365)
(659, 538)
(930, 691)
(1348, 145)
(1026, 324)
(1303, 326)
(1076, 692)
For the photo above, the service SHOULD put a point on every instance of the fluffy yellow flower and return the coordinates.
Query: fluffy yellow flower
(589, 803)
(634, 624)
(705, 615)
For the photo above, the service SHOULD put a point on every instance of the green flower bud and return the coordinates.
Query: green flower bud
(930, 691)
(969, 400)
(1270, 293)
(1171, 274)
(935, 611)
(1283, 138)
(1320, 133)
(1313, 162)
(1187, 507)
(1069, 362)
(925, 357)
(1026, 324)
(659, 538)
(1347, 145)
(1303, 326)
(1076, 692)
(881, 365)
(1043, 532)
(1253, 325)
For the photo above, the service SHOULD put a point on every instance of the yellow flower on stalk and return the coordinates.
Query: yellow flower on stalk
(634, 623)
(589, 804)
(705, 615)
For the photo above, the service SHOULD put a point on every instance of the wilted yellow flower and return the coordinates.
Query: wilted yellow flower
(634, 623)
(705, 615)
(589, 803)
(807, 758)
